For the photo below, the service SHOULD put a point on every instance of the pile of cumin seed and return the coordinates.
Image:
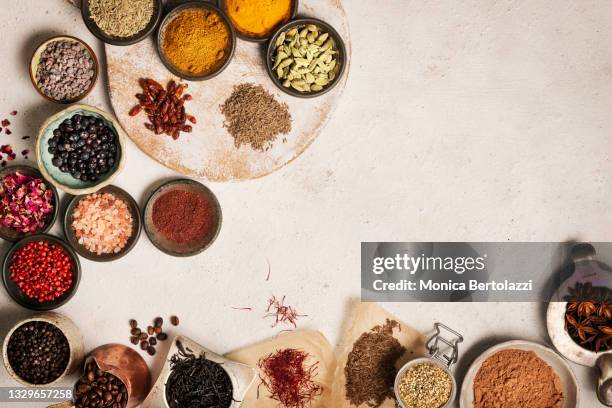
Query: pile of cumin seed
(254, 117)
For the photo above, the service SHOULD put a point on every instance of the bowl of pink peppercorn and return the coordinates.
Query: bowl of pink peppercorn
(28, 203)
(41, 272)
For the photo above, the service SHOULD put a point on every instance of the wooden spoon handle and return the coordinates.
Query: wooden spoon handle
(66, 404)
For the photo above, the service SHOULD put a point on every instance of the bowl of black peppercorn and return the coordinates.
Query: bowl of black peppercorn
(80, 149)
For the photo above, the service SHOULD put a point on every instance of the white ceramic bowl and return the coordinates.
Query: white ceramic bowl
(557, 363)
(241, 375)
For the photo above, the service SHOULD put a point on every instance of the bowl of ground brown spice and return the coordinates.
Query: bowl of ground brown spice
(519, 374)
(196, 41)
(182, 217)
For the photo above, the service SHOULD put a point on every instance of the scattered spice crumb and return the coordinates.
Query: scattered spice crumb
(5, 122)
(242, 308)
(269, 271)
(25, 137)
(281, 312)
(13, 113)
(7, 131)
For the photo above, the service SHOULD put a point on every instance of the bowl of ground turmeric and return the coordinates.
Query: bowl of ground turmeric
(196, 41)
(257, 20)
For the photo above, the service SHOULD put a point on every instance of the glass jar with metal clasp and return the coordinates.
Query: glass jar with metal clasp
(443, 347)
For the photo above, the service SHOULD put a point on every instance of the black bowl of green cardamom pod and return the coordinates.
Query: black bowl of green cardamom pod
(124, 24)
(306, 58)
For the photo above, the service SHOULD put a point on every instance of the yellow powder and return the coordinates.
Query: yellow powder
(258, 18)
(196, 41)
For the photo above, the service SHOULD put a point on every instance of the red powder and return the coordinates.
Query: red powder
(183, 216)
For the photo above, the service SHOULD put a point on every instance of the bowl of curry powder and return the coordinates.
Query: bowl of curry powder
(196, 41)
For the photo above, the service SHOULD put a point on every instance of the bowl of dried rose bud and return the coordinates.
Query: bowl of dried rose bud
(103, 226)
(41, 272)
(28, 203)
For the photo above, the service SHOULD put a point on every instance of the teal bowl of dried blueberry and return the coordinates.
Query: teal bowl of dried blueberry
(80, 149)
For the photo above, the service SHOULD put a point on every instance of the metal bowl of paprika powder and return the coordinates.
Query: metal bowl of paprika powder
(33, 304)
(178, 231)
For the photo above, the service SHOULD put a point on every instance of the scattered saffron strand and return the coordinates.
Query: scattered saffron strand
(281, 313)
(242, 308)
(269, 270)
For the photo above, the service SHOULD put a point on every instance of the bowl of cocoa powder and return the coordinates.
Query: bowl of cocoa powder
(182, 217)
(519, 374)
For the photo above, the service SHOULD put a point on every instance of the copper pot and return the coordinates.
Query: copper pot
(125, 364)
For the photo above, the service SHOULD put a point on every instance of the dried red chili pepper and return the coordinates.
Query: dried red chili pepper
(164, 107)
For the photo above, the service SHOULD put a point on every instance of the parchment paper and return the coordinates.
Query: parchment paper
(310, 341)
(364, 317)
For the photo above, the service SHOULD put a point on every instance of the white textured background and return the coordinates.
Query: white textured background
(462, 120)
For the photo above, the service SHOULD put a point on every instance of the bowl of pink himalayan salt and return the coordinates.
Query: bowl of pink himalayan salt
(103, 226)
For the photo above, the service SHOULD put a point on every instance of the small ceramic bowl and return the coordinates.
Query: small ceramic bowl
(170, 247)
(174, 13)
(84, 252)
(35, 61)
(144, 33)
(241, 375)
(67, 327)
(571, 392)
(341, 57)
(249, 37)
(33, 304)
(64, 181)
(12, 235)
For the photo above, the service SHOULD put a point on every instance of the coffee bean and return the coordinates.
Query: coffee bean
(135, 331)
(133, 323)
(134, 340)
(174, 320)
(158, 322)
(152, 341)
(144, 345)
(99, 389)
(162, 336)
(151, 350)
(158, 330)
(150, 330)
(143, 336)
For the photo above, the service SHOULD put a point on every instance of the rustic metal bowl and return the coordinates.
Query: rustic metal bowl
(341, 57)
(136, 226)
(175, 12)
(35, 61)
(167, 246)
(33, 304)
(12, 235)
(246, 36)
(95, 30)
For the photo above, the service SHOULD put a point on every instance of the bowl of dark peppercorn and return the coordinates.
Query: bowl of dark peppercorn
(42, 350)
(27, 258)
(80, 149)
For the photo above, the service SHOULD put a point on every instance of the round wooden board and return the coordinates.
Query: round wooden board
(209, 152)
